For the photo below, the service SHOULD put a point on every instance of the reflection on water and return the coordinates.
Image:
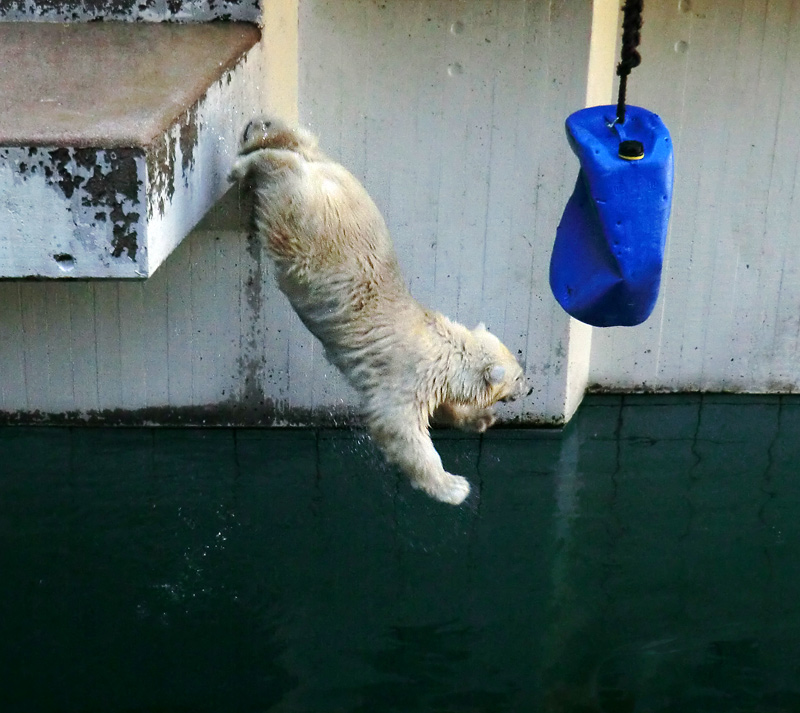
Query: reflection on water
(645, 559)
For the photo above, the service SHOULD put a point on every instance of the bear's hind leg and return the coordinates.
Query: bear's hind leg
(408, 445)
(467, 418)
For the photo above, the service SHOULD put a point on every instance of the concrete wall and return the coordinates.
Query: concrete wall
(183, 338)
(208, 339)
(725, 76)
(452, 115)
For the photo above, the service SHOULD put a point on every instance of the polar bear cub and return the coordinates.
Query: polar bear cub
(335, 262)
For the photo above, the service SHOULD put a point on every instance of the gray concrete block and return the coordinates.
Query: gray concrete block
(118, 140)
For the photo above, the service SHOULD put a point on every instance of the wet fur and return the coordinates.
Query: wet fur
(335, 262)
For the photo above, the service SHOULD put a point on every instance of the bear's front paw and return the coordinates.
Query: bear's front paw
(452, 489)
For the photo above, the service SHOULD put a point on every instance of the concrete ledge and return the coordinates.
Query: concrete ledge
(130, 10)
(118, 141)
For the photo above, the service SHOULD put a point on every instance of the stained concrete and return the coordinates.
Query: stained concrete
(130, 10)
(108, 84)
(118, 140)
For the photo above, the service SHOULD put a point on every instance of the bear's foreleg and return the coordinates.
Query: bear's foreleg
(407, 444)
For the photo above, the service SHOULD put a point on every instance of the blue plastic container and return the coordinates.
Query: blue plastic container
(605, 269)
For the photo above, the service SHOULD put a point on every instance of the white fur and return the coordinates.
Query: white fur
(335, 262)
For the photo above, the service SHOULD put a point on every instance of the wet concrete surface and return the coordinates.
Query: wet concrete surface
(110, 84)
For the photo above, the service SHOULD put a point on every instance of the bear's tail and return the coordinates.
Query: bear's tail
(274, 133)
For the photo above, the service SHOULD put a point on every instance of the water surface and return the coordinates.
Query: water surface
(645, 559)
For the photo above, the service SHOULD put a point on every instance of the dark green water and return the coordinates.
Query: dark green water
(646, 559)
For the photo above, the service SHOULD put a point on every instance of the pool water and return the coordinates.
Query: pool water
(646, 558)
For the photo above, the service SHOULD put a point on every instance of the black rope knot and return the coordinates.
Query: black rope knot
(629, 56)
(634, 59)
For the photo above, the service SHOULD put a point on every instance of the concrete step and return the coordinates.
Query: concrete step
(115, 139)
(130, 10)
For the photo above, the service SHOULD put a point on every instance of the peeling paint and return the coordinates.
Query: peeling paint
(110, 190)
(108, 182)
(187, 138)
(55, 198)
(130, 10)
(118, 211)
(162, 158)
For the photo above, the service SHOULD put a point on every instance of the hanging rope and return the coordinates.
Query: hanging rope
(630, 57)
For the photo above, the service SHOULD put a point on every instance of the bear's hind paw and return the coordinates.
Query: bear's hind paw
(480, 421)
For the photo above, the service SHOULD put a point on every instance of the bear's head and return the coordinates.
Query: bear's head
(503, 377)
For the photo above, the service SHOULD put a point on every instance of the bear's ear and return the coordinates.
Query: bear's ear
(495, 374)
(481, 327)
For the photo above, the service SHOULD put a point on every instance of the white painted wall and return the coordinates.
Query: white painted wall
(452, 113)
(725, 76)
(207, 339)
(104, 345)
